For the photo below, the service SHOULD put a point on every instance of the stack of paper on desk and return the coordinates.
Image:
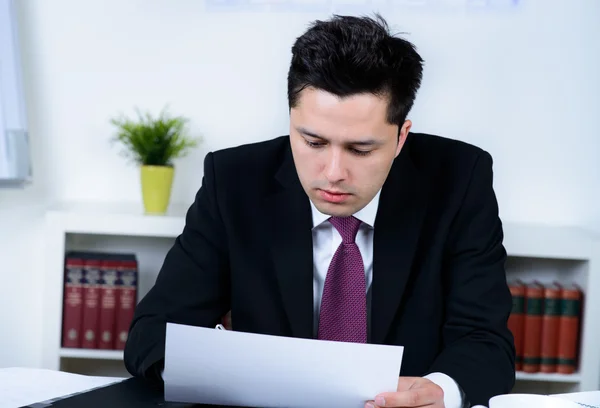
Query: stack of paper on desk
(590, 399)
(243, 369)
(26, 386)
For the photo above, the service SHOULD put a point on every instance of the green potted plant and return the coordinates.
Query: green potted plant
(153, 144)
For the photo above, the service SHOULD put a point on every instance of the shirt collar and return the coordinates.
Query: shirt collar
(367, 214)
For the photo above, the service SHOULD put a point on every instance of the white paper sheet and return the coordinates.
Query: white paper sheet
(586, 399)
(26, 386)
(242, 369)
(529, 401)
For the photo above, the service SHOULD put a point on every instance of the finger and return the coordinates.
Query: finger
(417, 397)
(406, 383)
(371, 404)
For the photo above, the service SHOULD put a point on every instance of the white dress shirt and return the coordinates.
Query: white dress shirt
(326, 240)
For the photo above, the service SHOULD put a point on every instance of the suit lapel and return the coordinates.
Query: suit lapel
(402, 207)
(290, 222)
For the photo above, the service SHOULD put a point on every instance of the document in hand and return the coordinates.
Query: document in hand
(231, 368)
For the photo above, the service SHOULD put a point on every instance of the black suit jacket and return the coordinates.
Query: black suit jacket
(439, 287)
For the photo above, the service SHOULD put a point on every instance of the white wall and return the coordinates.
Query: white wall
(524, 85)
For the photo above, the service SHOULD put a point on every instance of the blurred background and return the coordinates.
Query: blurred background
(521, 79)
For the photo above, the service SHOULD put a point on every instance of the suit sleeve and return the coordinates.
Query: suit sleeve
(478, 350)
(192, 286)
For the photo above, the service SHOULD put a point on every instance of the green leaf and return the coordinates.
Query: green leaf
(153, 141)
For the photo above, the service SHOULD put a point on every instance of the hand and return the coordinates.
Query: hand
(411, 392)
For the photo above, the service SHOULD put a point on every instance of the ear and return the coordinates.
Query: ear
(403, 134)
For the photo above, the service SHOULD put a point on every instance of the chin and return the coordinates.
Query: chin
(335, 210)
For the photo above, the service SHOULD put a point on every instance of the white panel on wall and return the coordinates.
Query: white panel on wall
(14, 147)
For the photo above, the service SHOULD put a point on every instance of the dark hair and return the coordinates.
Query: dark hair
(351, 55)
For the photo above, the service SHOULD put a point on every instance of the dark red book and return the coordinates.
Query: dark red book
(108, 303)
(91, 302)
(550, 322)
(534, 298)
(569, 329)
(516, 319)
(126, 299)
(226, 321)
(72, 301)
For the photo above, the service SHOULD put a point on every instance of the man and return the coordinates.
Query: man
(349, 229)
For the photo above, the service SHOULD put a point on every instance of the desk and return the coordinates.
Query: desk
(130, 393)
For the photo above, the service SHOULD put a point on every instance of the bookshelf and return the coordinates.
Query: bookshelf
(553, 378)
(544, 253)
(116, 355)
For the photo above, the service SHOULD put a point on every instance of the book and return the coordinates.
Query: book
(534, 296)
(108, 303)
(569, 329)
(72, 301)
(91, 302)
(516, 319)
(226, 321)
(126, 298)
(550, 325)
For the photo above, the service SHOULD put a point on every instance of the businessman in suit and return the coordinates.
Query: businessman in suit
(350, 228)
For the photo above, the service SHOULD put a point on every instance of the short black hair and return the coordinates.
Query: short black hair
(349, 55)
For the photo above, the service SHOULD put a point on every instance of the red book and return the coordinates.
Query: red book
(516, 319)
(226, 321)
(91, 303)
(534, 297)
(550, 321)
(569, 330)
(126, 299)
(108, 302)
(72, 301)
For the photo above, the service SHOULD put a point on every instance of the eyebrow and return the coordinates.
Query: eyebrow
(365, 142)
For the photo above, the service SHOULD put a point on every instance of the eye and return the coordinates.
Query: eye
(360, 152)
(313, 144)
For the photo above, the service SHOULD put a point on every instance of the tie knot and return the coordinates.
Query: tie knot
(347, 227)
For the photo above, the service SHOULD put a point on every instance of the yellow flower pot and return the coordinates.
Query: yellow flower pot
(156, 188)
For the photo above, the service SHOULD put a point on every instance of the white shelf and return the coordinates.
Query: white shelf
(117, 219)
(544, 241)
(549, 377)
(91, 354)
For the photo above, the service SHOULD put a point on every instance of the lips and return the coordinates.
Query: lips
(333, 196)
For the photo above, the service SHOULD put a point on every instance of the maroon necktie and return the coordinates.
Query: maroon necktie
(343, 314)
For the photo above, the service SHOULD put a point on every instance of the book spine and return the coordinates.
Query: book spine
(226, 321)
(91, 304)
(108, 303)
(72, 302)
(516, 320)
(533, 326)
(126, 301)
(569, 322)
(550, 323)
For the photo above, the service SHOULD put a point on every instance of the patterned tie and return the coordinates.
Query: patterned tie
(343, 315)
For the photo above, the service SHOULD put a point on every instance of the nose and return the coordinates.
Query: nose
(335, 170)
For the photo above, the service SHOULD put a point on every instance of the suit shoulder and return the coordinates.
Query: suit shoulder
(433, 144)
(249, 168)
(251, 155)
(429, 151)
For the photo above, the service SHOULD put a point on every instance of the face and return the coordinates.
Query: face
(343, 148)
